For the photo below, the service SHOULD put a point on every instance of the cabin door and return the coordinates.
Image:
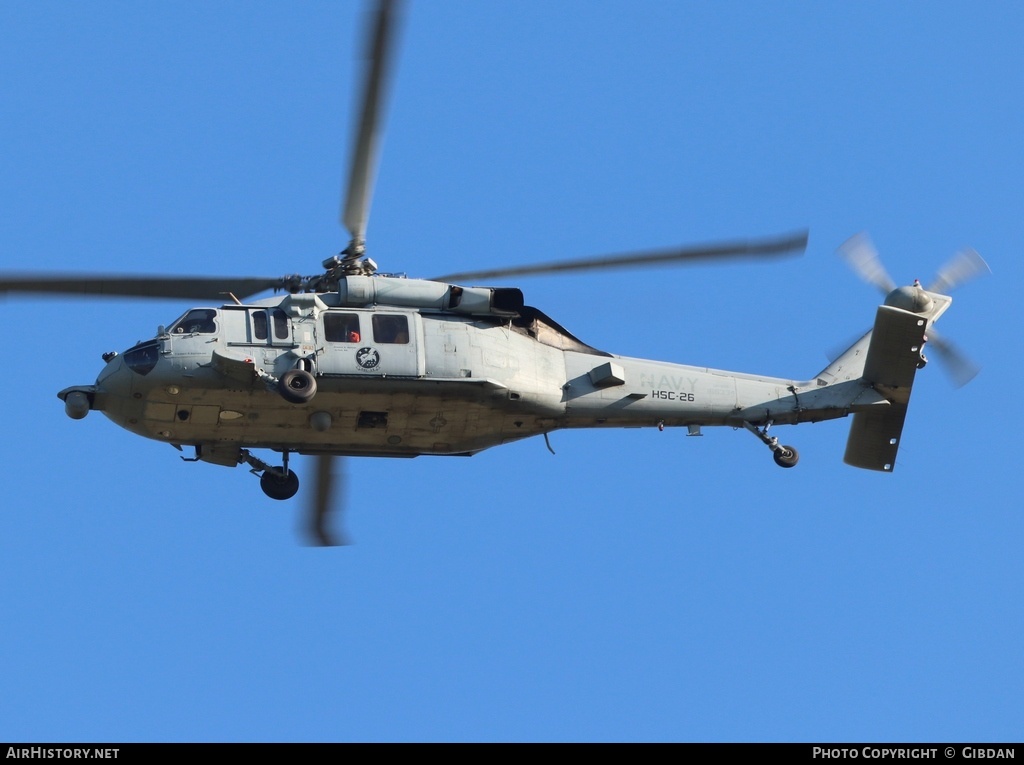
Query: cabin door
(375, 343)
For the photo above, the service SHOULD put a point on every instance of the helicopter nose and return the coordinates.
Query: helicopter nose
(115, 379)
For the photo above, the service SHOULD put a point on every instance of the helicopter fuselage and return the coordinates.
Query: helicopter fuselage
(349, 361)
(407, 380)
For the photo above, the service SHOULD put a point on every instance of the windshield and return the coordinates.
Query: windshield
(142, 358)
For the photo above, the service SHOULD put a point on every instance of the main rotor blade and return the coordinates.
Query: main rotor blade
(860, 253)
(323, 505)
(363, 167)
(192, 287)
(962, 267)
(784, 245)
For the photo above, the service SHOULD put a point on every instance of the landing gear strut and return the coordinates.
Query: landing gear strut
(785, 456)
(276, 482)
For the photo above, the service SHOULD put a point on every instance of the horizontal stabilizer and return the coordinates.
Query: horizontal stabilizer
(875, 438)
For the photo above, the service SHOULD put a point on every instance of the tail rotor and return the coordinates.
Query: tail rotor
(862, 256)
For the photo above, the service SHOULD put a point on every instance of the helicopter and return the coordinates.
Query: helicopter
(355, 362)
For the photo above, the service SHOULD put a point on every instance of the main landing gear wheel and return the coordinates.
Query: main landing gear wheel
(297, 386)
(786, 456)
(277, 485)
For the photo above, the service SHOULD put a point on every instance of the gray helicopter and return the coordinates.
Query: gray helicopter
(354, 362)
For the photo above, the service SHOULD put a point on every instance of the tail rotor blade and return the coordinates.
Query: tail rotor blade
(964, 266)
(960, 369)
(860, 253)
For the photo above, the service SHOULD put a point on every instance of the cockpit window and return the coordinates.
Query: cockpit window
(197, 321)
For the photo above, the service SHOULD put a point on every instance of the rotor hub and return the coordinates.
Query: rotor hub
(913, 298)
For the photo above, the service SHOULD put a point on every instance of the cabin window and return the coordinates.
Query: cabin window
(197, 321)
(280, 324)
(341, 327)
(390, 329)
(259, 325)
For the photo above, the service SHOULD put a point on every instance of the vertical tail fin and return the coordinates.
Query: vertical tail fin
(894, 354)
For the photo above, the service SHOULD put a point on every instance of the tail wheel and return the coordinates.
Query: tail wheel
(278, 485)
(297, 386)
(786, 456)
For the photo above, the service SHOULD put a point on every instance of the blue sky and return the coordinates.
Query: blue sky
(635, 586)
